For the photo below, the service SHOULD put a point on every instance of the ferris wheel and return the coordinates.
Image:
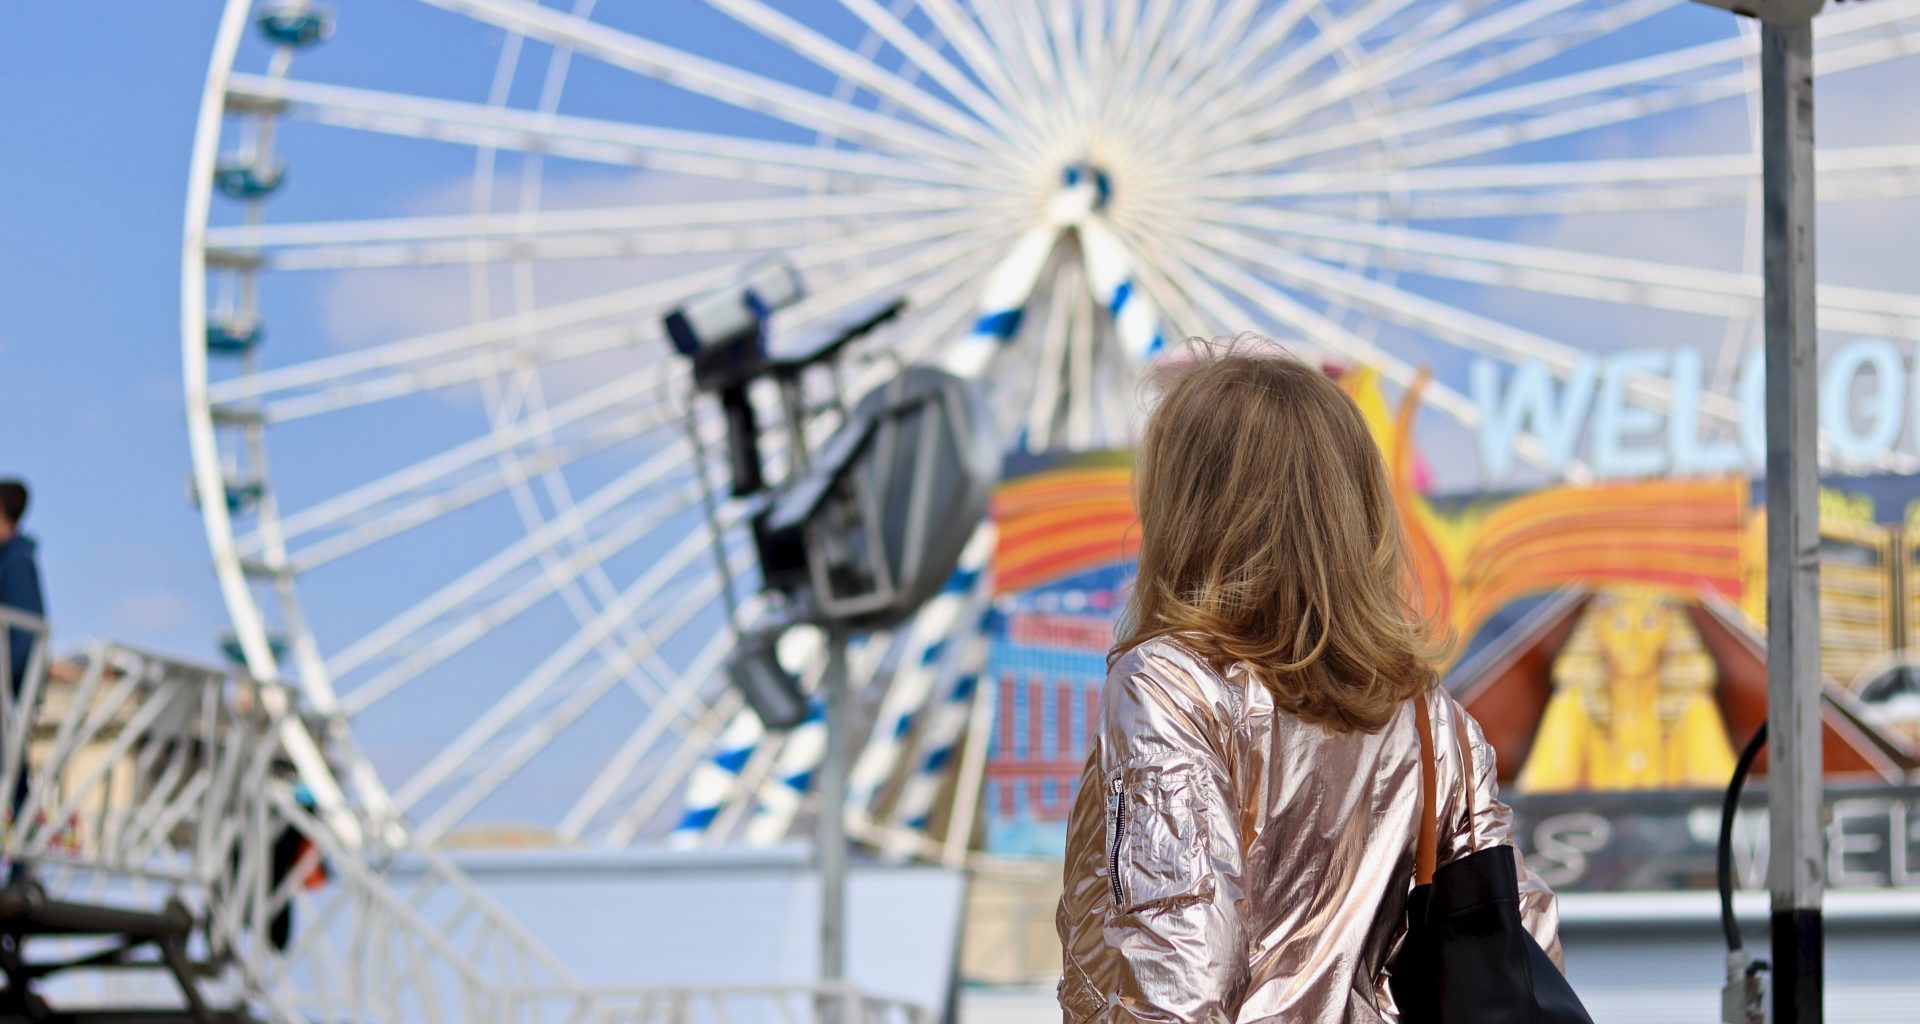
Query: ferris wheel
(429, 245)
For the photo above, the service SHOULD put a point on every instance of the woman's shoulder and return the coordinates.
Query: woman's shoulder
(1156, 655)
(1175, 665)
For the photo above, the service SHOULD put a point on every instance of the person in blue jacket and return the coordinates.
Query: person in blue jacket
(20, 591)
(19, 577)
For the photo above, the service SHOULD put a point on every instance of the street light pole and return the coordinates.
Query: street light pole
(831, 851)
(1796, 864)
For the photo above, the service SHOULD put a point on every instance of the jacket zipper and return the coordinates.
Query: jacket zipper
(1119, 833)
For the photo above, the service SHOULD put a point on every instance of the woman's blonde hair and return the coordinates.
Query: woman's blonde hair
(1269, 537)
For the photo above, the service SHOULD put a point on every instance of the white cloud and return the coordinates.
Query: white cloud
(371, 306)
(148, 612)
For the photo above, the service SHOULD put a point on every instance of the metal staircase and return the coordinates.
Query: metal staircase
(182, 870)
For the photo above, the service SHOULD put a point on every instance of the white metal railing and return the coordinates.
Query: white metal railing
(151, 779)
(739, 1004)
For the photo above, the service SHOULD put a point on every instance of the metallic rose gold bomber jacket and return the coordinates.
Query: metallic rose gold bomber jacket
(1230, 862)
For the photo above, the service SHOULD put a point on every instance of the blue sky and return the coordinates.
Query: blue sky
(97, 104)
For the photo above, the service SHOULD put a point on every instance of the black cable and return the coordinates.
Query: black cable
(712, 509)
(1723, 857)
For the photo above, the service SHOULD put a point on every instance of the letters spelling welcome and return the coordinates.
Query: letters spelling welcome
(1630, 438)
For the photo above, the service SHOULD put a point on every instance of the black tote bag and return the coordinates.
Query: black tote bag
(1466, 956)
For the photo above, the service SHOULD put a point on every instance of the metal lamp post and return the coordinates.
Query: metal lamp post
(1796, 867)
(1796, 864)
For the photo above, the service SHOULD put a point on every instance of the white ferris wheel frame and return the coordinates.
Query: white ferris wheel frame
(910, 169)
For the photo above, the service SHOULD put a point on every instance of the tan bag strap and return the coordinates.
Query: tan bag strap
(1426, 852)
(1467, 786)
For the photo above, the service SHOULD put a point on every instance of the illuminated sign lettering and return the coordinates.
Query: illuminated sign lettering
(1598, 408)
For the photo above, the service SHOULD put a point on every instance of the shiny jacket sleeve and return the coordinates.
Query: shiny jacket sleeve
(1492, 824)
(1156, 826)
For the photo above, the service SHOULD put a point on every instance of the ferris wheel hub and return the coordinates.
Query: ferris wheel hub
(1084, 188)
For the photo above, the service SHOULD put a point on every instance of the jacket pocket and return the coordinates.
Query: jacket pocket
(1156, 842)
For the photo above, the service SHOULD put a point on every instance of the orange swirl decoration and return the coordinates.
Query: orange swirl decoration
(1062, 516)
(1681, 536)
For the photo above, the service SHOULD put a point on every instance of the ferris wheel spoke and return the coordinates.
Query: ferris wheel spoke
(441, 476)
(1130, 65)
(1203, 68)
(415, 620)
(1227, 37)
(422, 351)
(1585, 187)
(495, 769)
(1289, 72)
(1078, 32)
(959, 29)
(720, 81)
(1057, 35)
(679, 771)
(1230, 97)
(1496, 178)
(676, 709)
(435, 636)
(1048, 62)
(614, 531)
(1020, 51)
(667, 570)
(609, 398)
(547, 334)
(594, 140)
(1006, 49)
(1496, 58)
(932, 109)
(1892, 44)
(238, 241)
(740, 242)
(1095, 21)
(1607, 95)
(1443, 322)
(1173, 64)
(356, 536)
(1334, 338)
(1122, 37)
(1251, 52)
(587, 234)
(1452, 36)
(462, 368)
(1586, 275)
(1626, 198)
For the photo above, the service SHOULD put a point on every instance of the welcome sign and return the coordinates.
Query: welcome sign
(1597, 842)
(1868, 396)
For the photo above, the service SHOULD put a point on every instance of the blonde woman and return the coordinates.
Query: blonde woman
(1243, 841)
